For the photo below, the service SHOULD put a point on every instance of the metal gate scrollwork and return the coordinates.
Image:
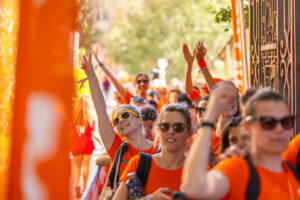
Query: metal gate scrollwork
(273, 61)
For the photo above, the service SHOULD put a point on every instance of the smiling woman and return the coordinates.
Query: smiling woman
(173, 126)
(127, 122)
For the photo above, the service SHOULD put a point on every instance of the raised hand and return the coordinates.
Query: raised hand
(200, 51)
(87, 65)
(222, 96)
(187, 55)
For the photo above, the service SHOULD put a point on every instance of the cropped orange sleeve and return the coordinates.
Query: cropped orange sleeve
(291, 153)
(236, 171)
(127, 98)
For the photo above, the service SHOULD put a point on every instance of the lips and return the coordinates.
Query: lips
(123, 127)
(170, 140)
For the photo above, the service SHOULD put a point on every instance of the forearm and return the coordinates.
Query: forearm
(195, 168)
(106, 131)
(208, 78)
(118, 85)
(188, 80)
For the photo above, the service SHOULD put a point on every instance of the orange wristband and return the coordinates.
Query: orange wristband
(201, 64)
(193, 95)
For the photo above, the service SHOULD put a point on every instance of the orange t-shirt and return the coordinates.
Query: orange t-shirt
(291, 153)
(129, 154)
(215, 143)
(157, 178)
(272, 185)
(127, 98)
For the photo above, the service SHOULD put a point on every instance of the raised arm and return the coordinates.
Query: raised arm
(200, 54)
(106, 130)
(199, 183)
(118, 85)
(188, 76)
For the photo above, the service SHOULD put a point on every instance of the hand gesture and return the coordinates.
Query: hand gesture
(95, 54)
(200, 51)
(159, 194)
(187, 55)
(87, 65)
(223, 95)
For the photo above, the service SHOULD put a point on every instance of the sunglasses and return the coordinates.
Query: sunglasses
(148, 116)
(177, 127)
(140, 81)
(269, 123)
(124, 115)
(200, 111)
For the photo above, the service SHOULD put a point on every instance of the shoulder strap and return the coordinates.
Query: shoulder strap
(144, 167)
(253, 183)
(293, 169)
(113, 175)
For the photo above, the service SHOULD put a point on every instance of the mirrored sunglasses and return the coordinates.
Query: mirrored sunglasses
(124, 115)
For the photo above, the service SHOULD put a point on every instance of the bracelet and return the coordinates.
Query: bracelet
(200, 71)
(193, 95)
(208, 124)
(82, 81)
(148, 197)
(201, 64)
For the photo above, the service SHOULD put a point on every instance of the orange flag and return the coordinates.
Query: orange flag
(40, 163)
(237, 20)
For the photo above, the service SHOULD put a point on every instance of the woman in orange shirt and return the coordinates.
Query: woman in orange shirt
(126, 121)
(269, 123)
(174, 128)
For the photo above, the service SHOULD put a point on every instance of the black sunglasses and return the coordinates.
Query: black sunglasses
(200, 111)
(269, 123)
(148, 116)
(177, 127)
(140, 81)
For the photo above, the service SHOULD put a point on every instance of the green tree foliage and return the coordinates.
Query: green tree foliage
(85, 22)
(146, 30)
(223, 16)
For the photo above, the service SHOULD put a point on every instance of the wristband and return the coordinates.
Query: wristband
(193, 95)
(82, 81)
(207, 124)
(201, 64)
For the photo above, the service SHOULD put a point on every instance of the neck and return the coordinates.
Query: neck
(170, 160)
(270, 162)
(221, 124)
(138, 141)
(142, 94)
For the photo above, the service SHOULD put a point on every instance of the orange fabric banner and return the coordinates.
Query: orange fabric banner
(238, 43)
(40, 161)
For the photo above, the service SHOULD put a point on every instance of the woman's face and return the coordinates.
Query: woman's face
(173, 131)
(126, 125)
(232, 108)
(173, 97)
(234, 135)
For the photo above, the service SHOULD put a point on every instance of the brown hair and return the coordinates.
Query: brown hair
(83, 114)
(138, 75)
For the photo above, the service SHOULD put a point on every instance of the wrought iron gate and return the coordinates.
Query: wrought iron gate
(275, 40)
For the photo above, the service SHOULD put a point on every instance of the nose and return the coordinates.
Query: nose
(278, 128)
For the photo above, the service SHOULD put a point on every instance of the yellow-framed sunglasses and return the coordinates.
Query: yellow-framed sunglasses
(124, 115)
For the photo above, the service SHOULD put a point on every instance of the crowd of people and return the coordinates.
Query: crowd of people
(203, 143)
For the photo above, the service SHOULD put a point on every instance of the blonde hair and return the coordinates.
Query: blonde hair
(83, 114)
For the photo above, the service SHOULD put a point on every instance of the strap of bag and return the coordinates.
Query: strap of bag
(110, 169)
(144, 167)
(293, 169)
(114, 174)
(253, 183)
